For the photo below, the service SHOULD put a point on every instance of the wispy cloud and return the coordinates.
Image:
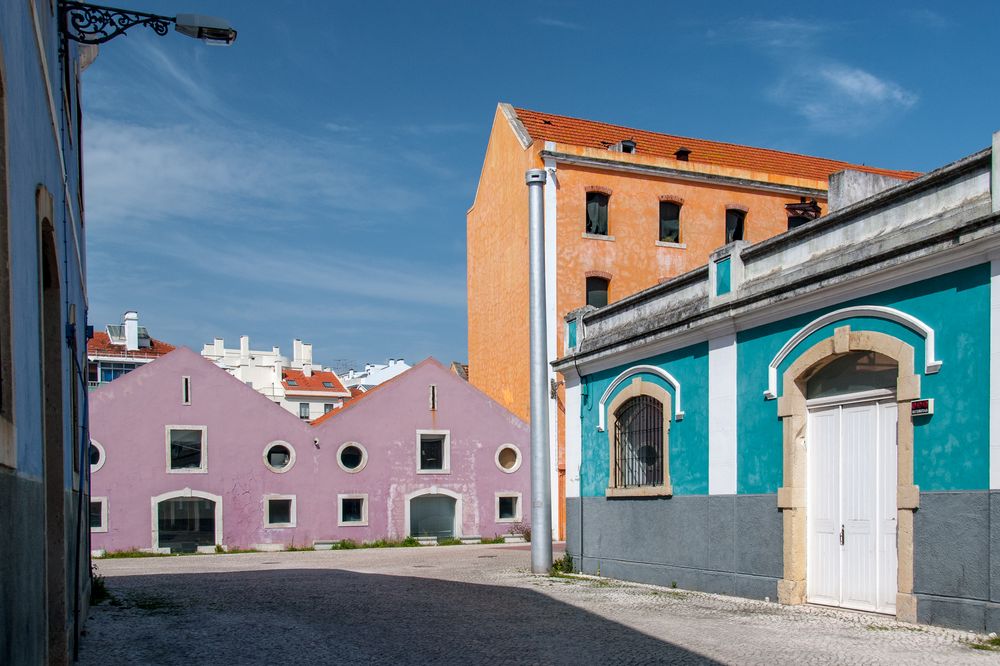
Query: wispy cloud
(771, 33)
(840, 99)
(927, 18)
(558, 23)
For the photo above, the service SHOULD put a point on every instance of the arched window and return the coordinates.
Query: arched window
(639, 443)
(597, 291)
(735, 221)
(670, 222)
(597, 213)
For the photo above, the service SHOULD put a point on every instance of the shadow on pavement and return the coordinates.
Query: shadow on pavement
(291, 616)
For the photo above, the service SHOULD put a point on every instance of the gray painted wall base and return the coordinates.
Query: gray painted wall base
(727, 544)
(22, 570)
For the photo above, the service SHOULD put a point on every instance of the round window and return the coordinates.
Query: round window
(508, 458)
(96, 456)
(352, 457)
(279, 456)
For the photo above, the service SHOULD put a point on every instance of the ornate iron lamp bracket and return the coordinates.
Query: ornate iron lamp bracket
(94, 24)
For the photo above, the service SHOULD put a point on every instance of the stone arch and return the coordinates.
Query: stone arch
(634, 389)
(792, 496)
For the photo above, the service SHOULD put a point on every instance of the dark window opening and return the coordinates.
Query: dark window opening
(186, 390)
(352, 510)
(184, 523)
(507, 507)
(303, 410)
(431, 452)
(735, 220)
(639, 443)
(351, 457)
(597, 291)
(279, 511)
(278, 456)
(597, 213)
(96, 515)
(852, 373)
(433, 397)
(291, 382)
(95, 456)
(185, 449)
(327, 408)
(670, 222)
(327, 384)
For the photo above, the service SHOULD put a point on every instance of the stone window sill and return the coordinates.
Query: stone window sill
(641, 491)
(679, 246)
(600, 237)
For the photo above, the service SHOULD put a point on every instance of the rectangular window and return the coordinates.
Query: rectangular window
(185, 390)
(303, 410)
(291, 382)
(508, 507)
(186, 448)
(597, 291)
(597, 213)
(433, 451)
(670, 222)
(353, 510)
(327, 384)
(327, 408)
(279, 511)
(99, 514)
(433, 398)
(735, 220)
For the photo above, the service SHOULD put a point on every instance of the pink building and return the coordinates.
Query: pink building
(184, 455)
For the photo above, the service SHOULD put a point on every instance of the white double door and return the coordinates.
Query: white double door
(852, 505)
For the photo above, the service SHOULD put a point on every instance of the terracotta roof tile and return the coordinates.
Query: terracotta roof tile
(592, 134)
(312, 383)
(101, 345)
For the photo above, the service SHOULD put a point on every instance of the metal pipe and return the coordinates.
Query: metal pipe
(541, 497)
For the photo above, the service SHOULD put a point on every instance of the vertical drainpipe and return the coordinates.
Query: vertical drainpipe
(541, 497)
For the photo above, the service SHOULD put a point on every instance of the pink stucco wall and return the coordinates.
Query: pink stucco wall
(128, 417)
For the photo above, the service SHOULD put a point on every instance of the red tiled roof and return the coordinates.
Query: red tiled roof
(312, 383)
(360, 395)
(592, 134)
(101, 345)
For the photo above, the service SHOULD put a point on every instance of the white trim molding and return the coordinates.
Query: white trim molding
(517, 462)
(291, 456)
(434, 490)
(364, 510)
(931, 364)
(101, 460)
(201, 469)
(635, 370)
(445, 452)
(187, 492)
(517, 507)
(104, 514)
(291, 511)
(722, 415)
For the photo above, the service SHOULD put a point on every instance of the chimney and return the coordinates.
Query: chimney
(307, 353)
(277, 372)
(131, 322)
(219, 347)
(296, 353)
(682, 154)
(369, 367)
(848, 187)
(244, 349)
(350, 373)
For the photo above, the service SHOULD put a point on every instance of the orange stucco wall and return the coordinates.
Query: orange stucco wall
(497, 252)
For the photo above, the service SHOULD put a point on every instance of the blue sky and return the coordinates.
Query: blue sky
(312, 180)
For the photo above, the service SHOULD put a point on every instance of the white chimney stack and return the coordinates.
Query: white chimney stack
(131, 321)
(244, 349)
(220, 347)
(296, 353)
(277, 371)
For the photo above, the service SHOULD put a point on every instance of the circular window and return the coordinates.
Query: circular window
(352, 457)
(508, 458)
(279, 456)
(96, 456)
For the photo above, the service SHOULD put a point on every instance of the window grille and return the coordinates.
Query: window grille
(639, 443)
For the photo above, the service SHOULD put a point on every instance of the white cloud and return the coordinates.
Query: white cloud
(773, 33)
(558, 23)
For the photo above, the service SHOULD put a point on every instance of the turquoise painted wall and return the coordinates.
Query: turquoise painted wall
(951, 448)
(723, 277)
(688, 438)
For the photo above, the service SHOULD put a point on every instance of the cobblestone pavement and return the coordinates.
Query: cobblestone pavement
(464, 604)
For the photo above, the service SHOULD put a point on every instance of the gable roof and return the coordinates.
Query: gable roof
(313, 383)
(593, 134)
(101, 345)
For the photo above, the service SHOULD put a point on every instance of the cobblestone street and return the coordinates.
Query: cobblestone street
(464, 604)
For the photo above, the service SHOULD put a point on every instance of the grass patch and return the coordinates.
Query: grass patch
(496, 539)
(131, 552)
(98, 587)
(991, 644)
(450, 541)
(408, 542)
(562, 565)
(298, 549)
(234, 551)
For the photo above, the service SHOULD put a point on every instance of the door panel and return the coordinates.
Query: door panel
(887, 508)
(859, 462)
(823, 575)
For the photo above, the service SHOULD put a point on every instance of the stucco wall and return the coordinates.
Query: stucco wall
(129, 418)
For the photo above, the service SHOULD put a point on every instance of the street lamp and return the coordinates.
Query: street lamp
(94, 24)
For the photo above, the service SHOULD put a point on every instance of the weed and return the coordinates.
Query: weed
(450, 541)
(236, 551)
(877, 627)
(219, 549)
(496, 539)
(521, 528)
(673, 584)
(98, 587)
(409, 542)
(990, 644)
(298, 549)
(345, 544)
(562, 565)
(131, 552)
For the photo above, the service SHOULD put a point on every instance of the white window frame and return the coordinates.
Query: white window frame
(291, 456)
(104, 514)
(104, 456)
(293, 517)
(154, 503)
(446, 454)
(435, 490)
(203, 469)
(364, 510)
(308, 407)
(186, 390)
(496, 507)
(517, 464)
(364, 457)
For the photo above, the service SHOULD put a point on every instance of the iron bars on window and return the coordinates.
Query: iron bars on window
(639, 443)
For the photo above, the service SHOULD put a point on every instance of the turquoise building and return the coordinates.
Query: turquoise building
(814, 418)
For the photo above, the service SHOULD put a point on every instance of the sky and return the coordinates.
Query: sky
(312, 180)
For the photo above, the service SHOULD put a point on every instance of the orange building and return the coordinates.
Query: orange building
(624, 209)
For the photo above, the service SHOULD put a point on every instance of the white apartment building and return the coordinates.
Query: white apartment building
(374, 374)
(302, 388)
(121, 348)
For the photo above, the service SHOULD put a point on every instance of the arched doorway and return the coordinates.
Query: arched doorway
(186, 520)
(435, 512)
(841, 399)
